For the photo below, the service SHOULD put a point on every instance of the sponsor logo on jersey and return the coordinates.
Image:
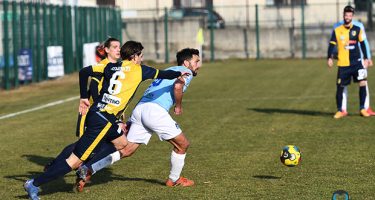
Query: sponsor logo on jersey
(352, 41)
(110, 99)
(349, 47)
(125, 68)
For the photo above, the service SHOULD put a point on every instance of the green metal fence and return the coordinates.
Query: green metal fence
(248, 30)
(36, 26)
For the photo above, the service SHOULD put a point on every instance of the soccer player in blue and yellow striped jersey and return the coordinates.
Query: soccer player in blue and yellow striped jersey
(345, 93)
(347, 37)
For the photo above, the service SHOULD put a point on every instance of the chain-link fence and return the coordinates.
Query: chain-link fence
(241, 31)
(32, 31)
(238, 31)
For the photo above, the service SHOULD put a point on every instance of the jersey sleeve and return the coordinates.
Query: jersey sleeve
(84, 74)
(332, 44)
(149, 72)
(333, 39)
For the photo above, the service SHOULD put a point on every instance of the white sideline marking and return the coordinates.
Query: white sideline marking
(39, 107)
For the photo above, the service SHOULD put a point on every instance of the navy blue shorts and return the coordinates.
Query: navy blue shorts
(100, 127)
(346, 74)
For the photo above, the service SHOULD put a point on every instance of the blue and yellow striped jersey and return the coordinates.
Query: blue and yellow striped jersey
(120, 83)
(362, 27)
(346, 40)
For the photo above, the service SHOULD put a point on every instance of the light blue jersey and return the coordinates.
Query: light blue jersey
(161, 92)
(358, 23)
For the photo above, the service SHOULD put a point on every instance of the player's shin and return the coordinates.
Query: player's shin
(177, 164)
(344, 99)
(367, 100)
(339, 97)
(105, 162)
(58, 169)
(362, 97)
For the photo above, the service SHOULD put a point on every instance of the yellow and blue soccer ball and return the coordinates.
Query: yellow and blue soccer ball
(290, 155)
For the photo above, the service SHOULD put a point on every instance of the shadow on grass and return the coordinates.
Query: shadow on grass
(291, 111)
(60, 185)
(266, 177)
(39, 160)
(105, 175)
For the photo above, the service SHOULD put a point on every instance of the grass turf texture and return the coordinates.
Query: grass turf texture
(238, 114)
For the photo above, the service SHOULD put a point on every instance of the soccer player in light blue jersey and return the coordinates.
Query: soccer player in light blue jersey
(368, 48)
(151, 115)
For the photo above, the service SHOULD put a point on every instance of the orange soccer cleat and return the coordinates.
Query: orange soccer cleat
(83, 177)
(182, 181)
(364, 113)
(370, 112)
(340, 114)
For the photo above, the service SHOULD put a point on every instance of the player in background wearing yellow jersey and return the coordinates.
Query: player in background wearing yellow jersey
(350, 64)
(108, 52)
(119, 85)
(370, 63)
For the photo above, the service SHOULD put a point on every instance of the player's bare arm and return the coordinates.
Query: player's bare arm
(178, 93)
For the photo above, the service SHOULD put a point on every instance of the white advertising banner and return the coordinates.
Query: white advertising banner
(55, 61)
(89, 53)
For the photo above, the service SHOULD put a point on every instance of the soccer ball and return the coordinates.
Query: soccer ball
(290, 156)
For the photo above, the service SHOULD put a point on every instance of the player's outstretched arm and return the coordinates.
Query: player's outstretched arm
(152, 73)
(170, 74)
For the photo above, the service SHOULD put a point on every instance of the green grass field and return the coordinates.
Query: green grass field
(238, 114)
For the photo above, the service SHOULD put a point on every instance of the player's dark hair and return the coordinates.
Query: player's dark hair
(130, 49)
(107, 42)
(100, 49)
(186, 54)
(349, 8)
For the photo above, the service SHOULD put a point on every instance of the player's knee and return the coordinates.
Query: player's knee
(362, 83)
(186, 144)
(120, 143)
(121, 146)
(125, 152)
(183, 146)
(73, 161)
